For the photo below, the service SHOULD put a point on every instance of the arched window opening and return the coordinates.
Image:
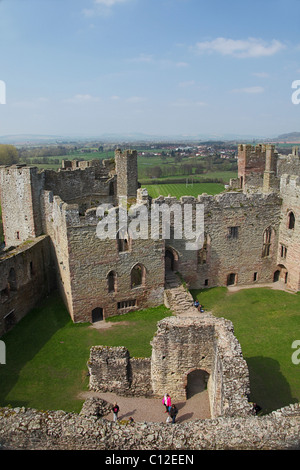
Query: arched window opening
(12, 280)
(112, 281)
(138, 274)
(267, 238)
(123, 240)
(203, 253)
(291, 220)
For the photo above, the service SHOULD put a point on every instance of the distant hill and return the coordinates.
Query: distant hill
(290, 137)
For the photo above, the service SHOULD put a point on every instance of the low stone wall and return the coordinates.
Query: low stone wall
(30, 429)
(112, 370)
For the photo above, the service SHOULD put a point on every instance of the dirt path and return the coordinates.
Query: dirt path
(152, 410)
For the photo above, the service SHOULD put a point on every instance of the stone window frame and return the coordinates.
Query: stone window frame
(267, 242)
(233, 232)
(112, 274)
(291, 220)
(283, 251)
(124, 241)
(143, 276)
(204, 252)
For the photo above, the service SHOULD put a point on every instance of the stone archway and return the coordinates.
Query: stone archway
(171, 260)
(196, 382)
(97, 314)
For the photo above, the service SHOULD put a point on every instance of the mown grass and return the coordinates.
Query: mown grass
(47, 354)
(266, 322)
(178, 190)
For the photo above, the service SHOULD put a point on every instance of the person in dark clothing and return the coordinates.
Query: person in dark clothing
(173, 413)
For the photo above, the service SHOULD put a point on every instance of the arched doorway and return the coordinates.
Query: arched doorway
(171, 260)
(231, 279)
(276, 276)
(97, 314)
(196, 382)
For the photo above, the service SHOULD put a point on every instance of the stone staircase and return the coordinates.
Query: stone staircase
(177, 298)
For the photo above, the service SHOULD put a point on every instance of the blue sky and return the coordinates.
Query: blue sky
(159, 67)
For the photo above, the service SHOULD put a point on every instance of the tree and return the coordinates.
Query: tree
(8, 155)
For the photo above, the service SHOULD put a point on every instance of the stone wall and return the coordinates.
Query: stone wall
(288, 253)
(182, 345)
(28, 429)
(234, 225)
(113, 370)
(26, 276)
(20, 189)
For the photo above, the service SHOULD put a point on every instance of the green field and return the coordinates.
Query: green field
(47, 354)
(178, 190)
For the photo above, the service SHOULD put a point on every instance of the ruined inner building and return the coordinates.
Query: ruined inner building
(50, 220)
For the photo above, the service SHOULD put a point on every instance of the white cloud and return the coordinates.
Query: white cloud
(251, 47)
(182, 103)
(187, 83)
(101, 7)
(80, 99)
(136, 99)
(109, 3)
(253, 90)
(142, 58)
(261, 74)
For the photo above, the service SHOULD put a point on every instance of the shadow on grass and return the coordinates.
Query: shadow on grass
(26, 339)
(269, 388)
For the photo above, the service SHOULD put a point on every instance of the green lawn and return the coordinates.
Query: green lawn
(46, 354)
(266, 322)
(178, 190)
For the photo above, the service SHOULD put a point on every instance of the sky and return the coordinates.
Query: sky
(155, 67)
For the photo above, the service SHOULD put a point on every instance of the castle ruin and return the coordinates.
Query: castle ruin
(251, 235)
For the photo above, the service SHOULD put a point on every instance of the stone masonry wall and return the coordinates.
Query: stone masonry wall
(26, 276)
(113, 370)
(240, 252)
(288, 253)
(183, 344)
(28, 429)
(20, 189)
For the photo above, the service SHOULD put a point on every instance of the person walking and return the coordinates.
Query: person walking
(173, 413)
(115, 410)
(166, 402)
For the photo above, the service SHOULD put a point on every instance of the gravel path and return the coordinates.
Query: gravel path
(152, 409)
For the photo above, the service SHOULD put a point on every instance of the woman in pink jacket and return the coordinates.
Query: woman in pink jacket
(167, 402)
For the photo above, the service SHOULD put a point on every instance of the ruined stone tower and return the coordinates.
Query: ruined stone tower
(126, 168)
(20, 188)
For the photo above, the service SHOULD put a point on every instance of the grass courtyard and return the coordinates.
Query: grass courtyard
(46, 354)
